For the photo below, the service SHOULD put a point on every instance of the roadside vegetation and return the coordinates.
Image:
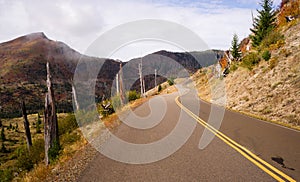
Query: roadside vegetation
(261, 77)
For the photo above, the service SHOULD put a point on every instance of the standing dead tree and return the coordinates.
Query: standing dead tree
(26, 126)
(50, 120)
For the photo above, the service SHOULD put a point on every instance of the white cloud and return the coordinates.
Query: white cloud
(78, 24)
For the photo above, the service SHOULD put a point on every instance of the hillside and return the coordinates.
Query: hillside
(270, 90)
(23, 71)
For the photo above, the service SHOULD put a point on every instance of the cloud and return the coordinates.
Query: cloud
(78, 24)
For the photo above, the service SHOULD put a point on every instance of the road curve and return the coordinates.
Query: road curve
(217, 162)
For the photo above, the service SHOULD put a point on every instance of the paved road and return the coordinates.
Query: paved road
(217, 162)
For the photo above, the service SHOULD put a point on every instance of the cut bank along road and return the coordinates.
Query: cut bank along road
(219, 161)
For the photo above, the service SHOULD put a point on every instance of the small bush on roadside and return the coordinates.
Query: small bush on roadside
(250, 60)
(171, 81)
(26, 160)
(233, 67)
(53, 151)
(132, 95)
(116, 102)
(266, 55)
(70, 138)
(67, 124)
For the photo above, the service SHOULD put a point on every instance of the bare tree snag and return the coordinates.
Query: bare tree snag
(26, 126)
(75, 97)
(50, 119)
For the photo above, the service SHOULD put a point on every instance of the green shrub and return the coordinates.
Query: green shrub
(67, 124)
(266, 55)
(233, 67)
(116, 102)
(171, 81)
(70, 138)
(26, 160)
(159, 88)
(6, 175)
(53, 151)
(250, 60)
(132, 95)
(273, 38)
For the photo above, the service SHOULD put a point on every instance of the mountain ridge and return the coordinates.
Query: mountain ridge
(23, 71)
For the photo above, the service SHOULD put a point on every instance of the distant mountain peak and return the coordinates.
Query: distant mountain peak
(37, 35)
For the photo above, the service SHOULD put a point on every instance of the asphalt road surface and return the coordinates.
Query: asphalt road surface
(220, 160)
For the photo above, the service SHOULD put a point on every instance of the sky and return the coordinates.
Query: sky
(79, 23)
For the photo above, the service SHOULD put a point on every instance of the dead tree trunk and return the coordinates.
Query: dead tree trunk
(50, 119)
(26, 126)
(75, 97)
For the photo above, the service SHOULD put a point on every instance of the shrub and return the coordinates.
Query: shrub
(266, 55)
(273, 38)
(132, 95)
(159, 88)
(26, 160)
(116, 102)
(53, 151)
(171, 81)
(6, 175)
(250, 60)
(67, 124)
(233, 67)
(70, 138)
(273, 62)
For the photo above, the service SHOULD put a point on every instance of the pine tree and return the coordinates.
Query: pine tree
(235, 47)
(264, 23)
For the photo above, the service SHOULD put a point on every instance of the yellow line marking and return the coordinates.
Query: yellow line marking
(239, 148)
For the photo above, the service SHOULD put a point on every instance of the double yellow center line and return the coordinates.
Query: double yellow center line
(266, 167)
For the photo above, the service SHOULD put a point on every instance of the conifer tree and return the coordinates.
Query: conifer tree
(264, 23)
(235, 47)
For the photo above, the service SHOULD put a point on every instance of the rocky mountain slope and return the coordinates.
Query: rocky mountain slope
(23, 71)
(271, 90)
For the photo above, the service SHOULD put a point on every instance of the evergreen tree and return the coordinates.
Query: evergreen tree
(235, 47)
(2, 135)
(264, 23)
